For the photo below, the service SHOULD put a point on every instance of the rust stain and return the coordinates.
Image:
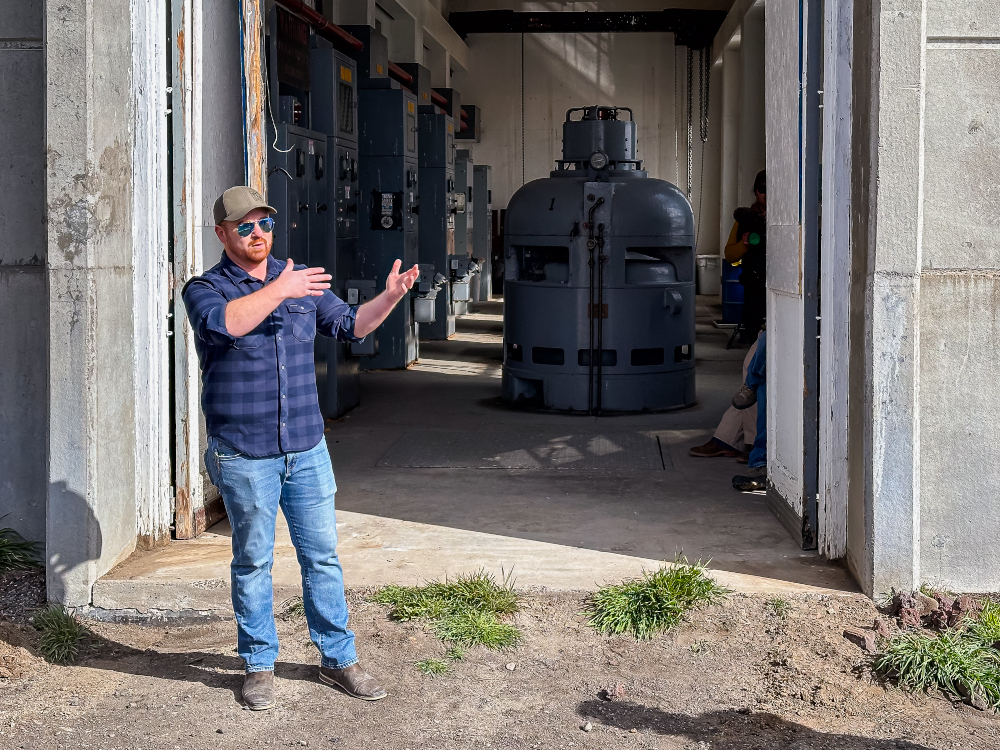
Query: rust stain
(183, 517)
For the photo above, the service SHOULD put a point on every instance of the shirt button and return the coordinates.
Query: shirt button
(279, 338)
(282, 395)
(282, 367)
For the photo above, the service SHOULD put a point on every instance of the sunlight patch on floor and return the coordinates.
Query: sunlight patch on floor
(452, 367)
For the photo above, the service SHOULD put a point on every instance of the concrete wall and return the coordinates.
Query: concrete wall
(642, 71)
(23, 313)
(925, 511)
(91, 513)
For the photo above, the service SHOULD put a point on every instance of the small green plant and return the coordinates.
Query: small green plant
(779, 607)
(293, 608)
(654, 603)
(455, 653)
(468, 610)
(16, 553)
(470, 627)
(61, 635)
(433, 667)
(986, 627)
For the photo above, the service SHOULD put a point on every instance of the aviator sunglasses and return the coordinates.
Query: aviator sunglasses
(266, 224)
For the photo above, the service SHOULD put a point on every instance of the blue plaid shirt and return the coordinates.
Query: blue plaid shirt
(259, 390)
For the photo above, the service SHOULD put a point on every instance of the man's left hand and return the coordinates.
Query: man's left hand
(398, 284)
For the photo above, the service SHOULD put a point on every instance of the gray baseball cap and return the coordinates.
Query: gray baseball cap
(237, 202)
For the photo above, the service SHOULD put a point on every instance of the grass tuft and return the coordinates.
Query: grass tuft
(468, 610)
(470, 627)
(986, 626)
(293, 608)
(455, 653)
(61, 635)
(779, 607)
(652, 604)
(16, 553)
(433, 667)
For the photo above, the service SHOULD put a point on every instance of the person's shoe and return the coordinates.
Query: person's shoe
(712, 449)
(743, 458)
(752, 479)
(745, 397)
(258, 690)
(354, 681)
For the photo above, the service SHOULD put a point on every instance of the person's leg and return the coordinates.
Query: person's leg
(757, 379)
(251, 489)
(307, 500)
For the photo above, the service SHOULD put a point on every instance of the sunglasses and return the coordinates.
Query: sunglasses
(245, 229)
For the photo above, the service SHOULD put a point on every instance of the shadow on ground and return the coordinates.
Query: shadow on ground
(732, 730)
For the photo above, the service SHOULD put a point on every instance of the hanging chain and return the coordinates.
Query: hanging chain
(690, 123)
(522, 108)
(704, 77)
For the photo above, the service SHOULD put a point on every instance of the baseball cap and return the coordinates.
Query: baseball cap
(237, 202)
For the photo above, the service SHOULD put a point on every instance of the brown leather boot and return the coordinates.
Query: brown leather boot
(712, 449)
(354, 681)
(258, 691)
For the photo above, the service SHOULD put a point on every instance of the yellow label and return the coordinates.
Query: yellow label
(449, 127)
(424, 95)
(378, 68)
(409, 106)
(345, 74)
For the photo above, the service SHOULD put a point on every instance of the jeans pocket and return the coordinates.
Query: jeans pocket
(224, 452)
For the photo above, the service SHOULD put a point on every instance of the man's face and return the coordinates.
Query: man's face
(255, 246)
(761, 198)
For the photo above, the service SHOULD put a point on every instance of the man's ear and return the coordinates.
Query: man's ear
(220, 232)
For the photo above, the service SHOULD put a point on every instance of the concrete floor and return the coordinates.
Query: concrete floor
(554, 526)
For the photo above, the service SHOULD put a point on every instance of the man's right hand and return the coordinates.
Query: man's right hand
(309, 282)
(746, 240)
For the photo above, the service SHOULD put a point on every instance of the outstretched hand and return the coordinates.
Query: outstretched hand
(398, 284)
(309, 282)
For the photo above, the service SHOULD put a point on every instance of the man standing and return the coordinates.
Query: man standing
(255, 320)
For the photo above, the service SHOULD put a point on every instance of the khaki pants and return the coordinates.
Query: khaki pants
(738, 427)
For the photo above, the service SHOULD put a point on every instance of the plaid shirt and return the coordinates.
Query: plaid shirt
(259, 390)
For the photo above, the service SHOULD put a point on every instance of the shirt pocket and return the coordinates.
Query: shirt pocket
(251, 341)
(303, 319)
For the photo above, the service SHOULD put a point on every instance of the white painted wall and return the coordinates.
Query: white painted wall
(572, 70)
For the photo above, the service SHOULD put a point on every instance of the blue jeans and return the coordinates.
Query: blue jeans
(756, 379)
(303, 485)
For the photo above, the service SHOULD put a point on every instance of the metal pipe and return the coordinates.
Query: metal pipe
(321, 25)
(591, 244)
(465, 115)
(465, 126)
(438, 99)
(399, 74)
(601, 260)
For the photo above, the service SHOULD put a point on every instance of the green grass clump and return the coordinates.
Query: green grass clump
(16, 553)
(468, 610)
(780, 607)
(433, 667)
(986, 627)
(61, 635)
(652, 604)
(293, 608)
(455, 653)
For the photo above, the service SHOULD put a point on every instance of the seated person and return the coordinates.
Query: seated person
(736, 431)
(754, 391)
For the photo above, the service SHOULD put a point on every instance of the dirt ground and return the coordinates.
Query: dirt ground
(736, 676)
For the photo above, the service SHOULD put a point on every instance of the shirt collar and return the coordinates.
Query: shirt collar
(238, 275)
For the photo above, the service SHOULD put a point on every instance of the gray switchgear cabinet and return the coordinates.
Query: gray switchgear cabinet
(599, 280)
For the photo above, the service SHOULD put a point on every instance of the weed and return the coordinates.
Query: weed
(16, 553)
(293, 608)
(470, 627)
(466, 610)
(986, 626)
(654, 603)
(455, 653)
(780, 607)
(61, 635)
(433, 667)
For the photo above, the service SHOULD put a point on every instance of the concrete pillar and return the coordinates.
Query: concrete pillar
(91, 511)
(751, 131)
(729, 191)
(23, 315)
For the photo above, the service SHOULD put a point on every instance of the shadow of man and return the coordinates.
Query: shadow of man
(73, 545)
(732, 730)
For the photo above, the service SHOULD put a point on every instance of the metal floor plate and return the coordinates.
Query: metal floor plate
(509, 449)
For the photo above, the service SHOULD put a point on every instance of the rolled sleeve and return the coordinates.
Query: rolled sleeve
(335, 318)
(206, 309)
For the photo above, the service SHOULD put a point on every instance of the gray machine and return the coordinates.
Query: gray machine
(436, 130)
(482, 228)
(333, 103)
(599, 299)
(464, 269)
(388, 198)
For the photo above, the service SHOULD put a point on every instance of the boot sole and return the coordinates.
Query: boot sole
(333, 683)
(268, 707)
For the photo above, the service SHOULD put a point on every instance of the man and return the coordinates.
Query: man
(754, 391)
(748, 246)
(255, 320)
(737, 429)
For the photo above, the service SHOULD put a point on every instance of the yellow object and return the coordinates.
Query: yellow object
(735, 249)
